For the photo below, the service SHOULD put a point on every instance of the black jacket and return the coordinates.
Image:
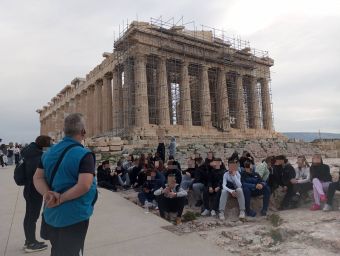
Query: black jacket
(103, 174)
(321, 172)
(201, 175)
(175, 172)
(215, 178)
(161, 151)
(31, 155)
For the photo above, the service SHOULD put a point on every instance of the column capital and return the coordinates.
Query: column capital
(108, 75)
(99, 82)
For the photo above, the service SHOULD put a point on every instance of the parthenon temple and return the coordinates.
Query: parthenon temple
(167, 79)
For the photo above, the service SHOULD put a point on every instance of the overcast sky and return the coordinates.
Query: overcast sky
(45, 44)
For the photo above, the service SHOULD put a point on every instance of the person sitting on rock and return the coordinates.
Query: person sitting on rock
(171, 198)
(232, 185)
(334, 186)
(212, 192)
(173, 169)
(302, 180)
(264, 168)
(253, 186)
(153, 182)
(200, 180)
(121, 175)
(246, 156)
(284, 174)
(321, 177)
(188, 175)
(105, 176)
(175, 162)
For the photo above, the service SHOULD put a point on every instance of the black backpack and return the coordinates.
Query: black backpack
(20, 173)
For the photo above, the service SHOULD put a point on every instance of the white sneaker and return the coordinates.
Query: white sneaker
(221, 216)
(242, 214)
(327, 208)
(206, 212)
(213, 213)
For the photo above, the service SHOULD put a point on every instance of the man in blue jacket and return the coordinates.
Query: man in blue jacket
(70, 199)
(253, 186)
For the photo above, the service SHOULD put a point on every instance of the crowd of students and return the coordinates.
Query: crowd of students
(165, 187)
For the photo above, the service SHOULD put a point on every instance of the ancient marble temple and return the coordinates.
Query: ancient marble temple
(170, 81)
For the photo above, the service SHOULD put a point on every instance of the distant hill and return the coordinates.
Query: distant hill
(310, 136)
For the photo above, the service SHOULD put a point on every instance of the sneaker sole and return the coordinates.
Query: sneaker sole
(36, 250)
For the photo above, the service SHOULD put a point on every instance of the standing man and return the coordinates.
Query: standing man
(31, 157)
(71, 195)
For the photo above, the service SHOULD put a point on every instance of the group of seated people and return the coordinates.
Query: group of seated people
(212, 183)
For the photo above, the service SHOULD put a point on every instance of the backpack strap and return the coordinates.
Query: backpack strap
(55, 169)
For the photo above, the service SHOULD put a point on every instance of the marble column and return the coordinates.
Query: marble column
(97, 107)
(141, 92)
(205, 100)
(185, 99)
(266, 105)
(90, 110)
(77, 103)
(72, 105)
(107, 103)
(254, 116)
(240, 108)
(222, 101)
(126, 95)
(116, 99)
(163, 99)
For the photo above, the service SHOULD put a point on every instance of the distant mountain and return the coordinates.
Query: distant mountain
(310, 136)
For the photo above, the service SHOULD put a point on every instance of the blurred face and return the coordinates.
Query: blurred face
(156, 164)
(210, 155)
(171, 182)
(153, 174)
(279, 162)
(316, 160)
(106, 166)
(217, 164)
(232, 167)
(300, 162)
(191, 163)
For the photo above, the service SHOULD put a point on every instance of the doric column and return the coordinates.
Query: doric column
(53, 124)
(116, 110)
(83, 97)
(205, 102)
(90, 111)
(141, 95)
(107, 103)
(240, 112)
(72, 105)
(97, 106)
(222, 101)
(77, 103)
(126, 95)
(254, 116)
(163, 99)
(266, 105)
(185, 95)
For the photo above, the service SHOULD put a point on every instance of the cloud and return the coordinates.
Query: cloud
(45, 44)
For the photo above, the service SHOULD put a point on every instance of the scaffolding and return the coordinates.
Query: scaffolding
(154, 61)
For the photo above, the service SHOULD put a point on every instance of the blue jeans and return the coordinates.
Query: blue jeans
(142, 196)
(248, 193)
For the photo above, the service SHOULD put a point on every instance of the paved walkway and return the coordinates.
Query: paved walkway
(118, 227)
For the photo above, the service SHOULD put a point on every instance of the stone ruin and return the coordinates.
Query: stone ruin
(166, 80)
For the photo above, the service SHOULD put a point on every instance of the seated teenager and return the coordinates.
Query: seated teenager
(232, 186)
(200, 181)
(161, 170)
(172, 169)
(171, 199)
(254, 186)
(246, 156)
(175, 162)
(105, 177)
(122, 175)
(152, 183)
(321, 177)
(188, 175)
(285, 177)
(212, 192)
(302, 180)
(264, 168)
(333, 187)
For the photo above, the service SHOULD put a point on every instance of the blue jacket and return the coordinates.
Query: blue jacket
(77, 210)
(250, 180)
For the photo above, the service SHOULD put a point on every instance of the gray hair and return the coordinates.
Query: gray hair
(74, 124)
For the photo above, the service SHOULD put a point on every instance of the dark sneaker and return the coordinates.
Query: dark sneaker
(251, 213)
(35, 247)
(37, 242)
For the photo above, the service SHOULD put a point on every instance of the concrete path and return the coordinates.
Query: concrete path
(118, 227)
